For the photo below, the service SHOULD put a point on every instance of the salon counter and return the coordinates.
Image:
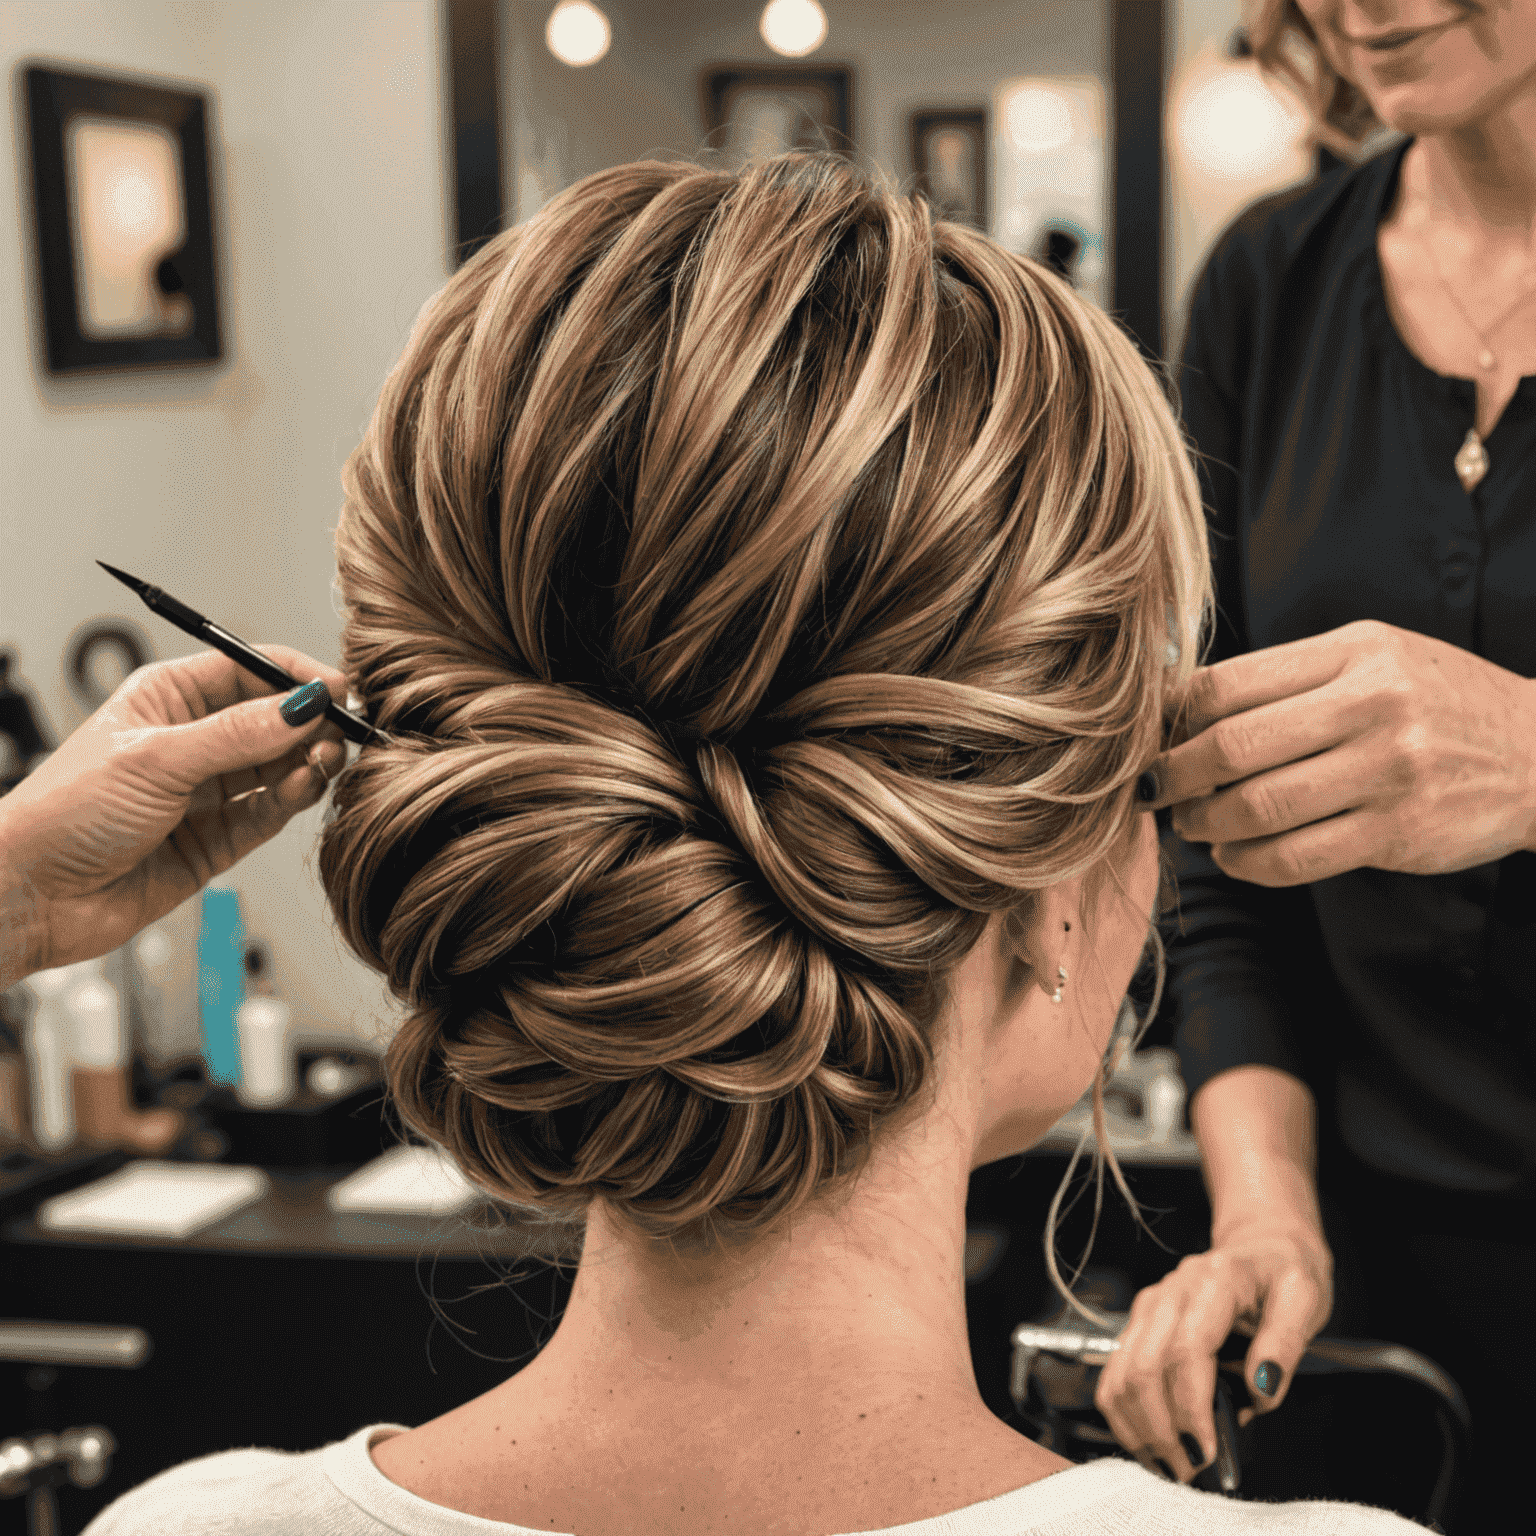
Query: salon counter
(291, 1219)
(283, 1324)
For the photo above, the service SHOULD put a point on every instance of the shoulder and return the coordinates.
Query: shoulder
(1306, 228)
(1127, 1493)
(252, 1492)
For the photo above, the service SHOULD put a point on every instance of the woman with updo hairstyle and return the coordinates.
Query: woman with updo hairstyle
(771, 597)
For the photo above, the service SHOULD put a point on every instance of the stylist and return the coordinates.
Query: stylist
(182, 772)
(1352, 966)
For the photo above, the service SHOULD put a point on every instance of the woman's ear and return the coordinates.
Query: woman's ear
(1045, 938)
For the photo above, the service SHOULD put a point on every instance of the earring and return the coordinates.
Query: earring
(1061, 972)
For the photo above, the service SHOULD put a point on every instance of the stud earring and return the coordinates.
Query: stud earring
(1061, 971)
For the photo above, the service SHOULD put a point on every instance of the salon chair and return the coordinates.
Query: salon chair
(1057, 1357)
(1056, 1367)
(32, 1466)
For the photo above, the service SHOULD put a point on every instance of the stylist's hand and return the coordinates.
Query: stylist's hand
(1365, 747)
(1158, 1389)
(183, 771)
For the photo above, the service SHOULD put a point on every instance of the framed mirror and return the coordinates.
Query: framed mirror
(122, 221)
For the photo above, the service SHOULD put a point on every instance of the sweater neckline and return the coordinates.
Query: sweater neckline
(351, 1469)
(1456, 389)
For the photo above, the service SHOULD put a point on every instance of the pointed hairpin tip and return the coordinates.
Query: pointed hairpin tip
(122, 576)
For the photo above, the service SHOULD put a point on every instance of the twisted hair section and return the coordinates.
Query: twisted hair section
(762, 585)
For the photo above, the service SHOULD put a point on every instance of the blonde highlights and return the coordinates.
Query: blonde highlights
(762, 584)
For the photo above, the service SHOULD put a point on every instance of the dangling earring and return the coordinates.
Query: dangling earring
(1061, 972)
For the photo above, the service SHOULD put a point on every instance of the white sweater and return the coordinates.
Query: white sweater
(338, 1491)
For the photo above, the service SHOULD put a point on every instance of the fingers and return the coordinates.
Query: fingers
(1239, 746)
(1296, 1307)
(214, 839)
(1267, 676)
(1353, 840)
(209, 681)
(1156, 1392)
(246, 746)
(1280, 800)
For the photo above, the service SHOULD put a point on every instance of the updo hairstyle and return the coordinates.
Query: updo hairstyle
(763, 584)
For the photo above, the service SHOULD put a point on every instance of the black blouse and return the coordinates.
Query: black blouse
(1408, 1002)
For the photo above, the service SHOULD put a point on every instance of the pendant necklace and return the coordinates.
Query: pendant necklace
(1472, 457)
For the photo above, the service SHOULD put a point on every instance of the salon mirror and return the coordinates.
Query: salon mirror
(1109, 139)
(999, 110)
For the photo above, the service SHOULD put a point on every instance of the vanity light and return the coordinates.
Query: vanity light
(793, 27)
(577, 33)
(1230, 125)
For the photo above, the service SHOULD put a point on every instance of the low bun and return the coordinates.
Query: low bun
(761, 586)
(588, 948)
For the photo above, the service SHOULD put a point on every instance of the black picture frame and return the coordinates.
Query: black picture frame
(830, 85)
(971, 122)
(54, 96)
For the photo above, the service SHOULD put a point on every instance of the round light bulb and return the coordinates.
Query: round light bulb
(793, 27)
(1233, 126)
(577, 33)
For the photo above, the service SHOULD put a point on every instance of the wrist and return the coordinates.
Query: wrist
(1296, 1221)
(1530, 792)
(1269, 1196)
(21, 917)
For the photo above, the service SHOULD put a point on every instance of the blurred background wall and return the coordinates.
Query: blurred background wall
(332, 178)
(222, 483)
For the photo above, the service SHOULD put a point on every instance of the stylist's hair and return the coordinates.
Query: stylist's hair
(762, 584)
(1286, 48)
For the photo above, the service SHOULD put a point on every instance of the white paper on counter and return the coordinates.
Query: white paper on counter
(412, 1180)
(154, 1198)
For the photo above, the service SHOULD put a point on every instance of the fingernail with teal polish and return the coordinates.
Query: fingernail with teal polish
(303, 704)
(1267, 1378)
(1192, 1450)
(1165, 1469)
(1146, 787)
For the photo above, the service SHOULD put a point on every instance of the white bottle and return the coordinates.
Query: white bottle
(99, 1031)
(1164, 1104)
(162, 987)
(262, 1023)
(47, 1046)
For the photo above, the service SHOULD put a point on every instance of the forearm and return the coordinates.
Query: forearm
(20, 921)
(1257, 1131)
(1529, 802)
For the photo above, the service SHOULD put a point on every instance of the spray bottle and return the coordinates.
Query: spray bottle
(101, 1057)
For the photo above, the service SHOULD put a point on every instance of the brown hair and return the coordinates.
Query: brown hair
(762, 585)
(1287, 49)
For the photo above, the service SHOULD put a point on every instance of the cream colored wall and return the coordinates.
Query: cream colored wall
(223, 484)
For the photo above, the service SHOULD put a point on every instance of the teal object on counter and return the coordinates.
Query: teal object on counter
(221, 981)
